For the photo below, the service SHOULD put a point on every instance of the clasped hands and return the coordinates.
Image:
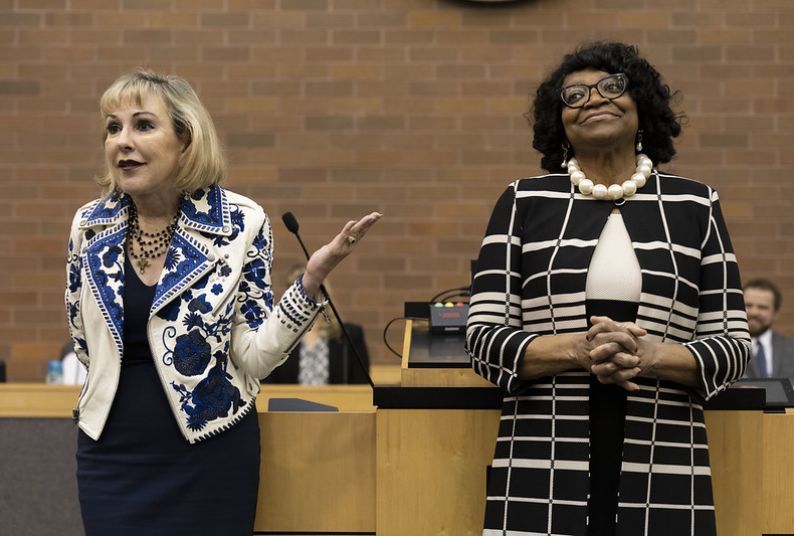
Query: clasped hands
(617, 352)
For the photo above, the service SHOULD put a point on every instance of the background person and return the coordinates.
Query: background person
(323, 355)
(170, 308)
(773, 353)
(606, 303)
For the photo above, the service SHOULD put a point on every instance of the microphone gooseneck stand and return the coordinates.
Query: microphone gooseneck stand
(292, 226)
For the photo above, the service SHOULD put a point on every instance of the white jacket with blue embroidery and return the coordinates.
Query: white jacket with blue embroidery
(213, 328)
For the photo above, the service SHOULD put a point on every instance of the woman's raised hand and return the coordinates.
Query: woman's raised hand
(328, 256)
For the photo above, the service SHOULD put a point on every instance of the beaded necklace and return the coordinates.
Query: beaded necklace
(150, 245)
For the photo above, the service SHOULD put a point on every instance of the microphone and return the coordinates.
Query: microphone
(291, 223)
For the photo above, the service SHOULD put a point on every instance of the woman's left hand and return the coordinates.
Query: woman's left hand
(328, 256)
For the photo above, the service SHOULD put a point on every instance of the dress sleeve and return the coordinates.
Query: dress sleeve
(495, 341)
(721, 347)
(264, 334)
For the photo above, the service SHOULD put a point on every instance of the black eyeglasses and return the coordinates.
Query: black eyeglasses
(610, 87)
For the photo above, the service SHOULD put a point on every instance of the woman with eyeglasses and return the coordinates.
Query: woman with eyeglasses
(607, 304)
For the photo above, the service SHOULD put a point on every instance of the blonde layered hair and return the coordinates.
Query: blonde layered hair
(202, 164)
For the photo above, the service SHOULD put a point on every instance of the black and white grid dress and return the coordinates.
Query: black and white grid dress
(530, 281)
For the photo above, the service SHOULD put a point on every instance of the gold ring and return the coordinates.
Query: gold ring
(351, 240)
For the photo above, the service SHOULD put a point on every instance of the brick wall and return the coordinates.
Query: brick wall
(332, 108)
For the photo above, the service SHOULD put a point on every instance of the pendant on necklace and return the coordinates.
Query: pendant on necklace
(142, 264)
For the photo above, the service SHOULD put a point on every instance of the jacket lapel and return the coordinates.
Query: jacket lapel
(205, 218)
(103, 259)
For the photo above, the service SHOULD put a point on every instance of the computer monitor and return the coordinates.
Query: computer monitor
(779, 392)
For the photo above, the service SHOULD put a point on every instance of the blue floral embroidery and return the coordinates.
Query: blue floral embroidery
(172, 259)
(201, 284)
(192, 350)
(214, 395)
(73, 306)
(200, 304)
(238, 223)
(107, 209)
(212, 398)
(189, 261)
(193, 320)
(74, 277)
(212, 216)
(170, 311)
(75, 267)
(255, 272)
(191, 353)
(253, 313)
(111, 256)
(106, 280)
(74, 311)
(254, 294)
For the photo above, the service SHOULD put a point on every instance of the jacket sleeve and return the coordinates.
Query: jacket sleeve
(74, 285)
(721, 347)
(495, 341)
(263, 335)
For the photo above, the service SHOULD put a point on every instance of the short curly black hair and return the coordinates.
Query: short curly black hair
(653, 97)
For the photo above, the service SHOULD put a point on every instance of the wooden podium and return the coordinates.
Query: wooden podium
(431, 462)
(413, 465)
(317, 472)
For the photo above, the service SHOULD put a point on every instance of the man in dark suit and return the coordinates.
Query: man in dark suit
(773, 353)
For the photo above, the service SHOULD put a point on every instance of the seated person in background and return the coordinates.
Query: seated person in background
(74, 372)
(773, 353)
(323, 356)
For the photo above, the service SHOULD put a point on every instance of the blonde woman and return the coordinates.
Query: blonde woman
(170, 308)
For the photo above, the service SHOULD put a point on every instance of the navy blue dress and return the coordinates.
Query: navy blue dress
(142, 477)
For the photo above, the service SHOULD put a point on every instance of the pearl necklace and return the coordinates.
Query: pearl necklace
(614, 191)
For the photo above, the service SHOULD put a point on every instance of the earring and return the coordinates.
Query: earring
(565, 147)
(639, 140)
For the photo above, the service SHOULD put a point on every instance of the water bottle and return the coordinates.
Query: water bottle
(55, 372)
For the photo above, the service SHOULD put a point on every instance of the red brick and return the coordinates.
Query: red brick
(418, 116)
(408, 36)
(303, 5)
(225, 20)
(329, 20)
(329, 53)
(20, 19)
